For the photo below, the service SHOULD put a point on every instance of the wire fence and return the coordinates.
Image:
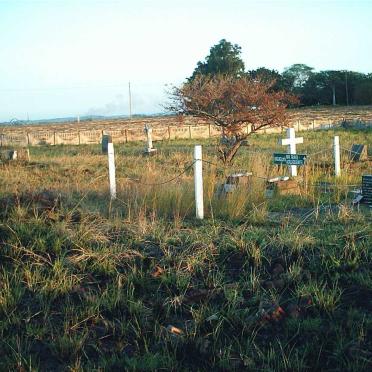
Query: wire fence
(223, 168)
(159, 183)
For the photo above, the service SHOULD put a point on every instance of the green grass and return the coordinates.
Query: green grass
(276, 285)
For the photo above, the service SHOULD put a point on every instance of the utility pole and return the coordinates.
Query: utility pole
(347, 90)
(130, 102)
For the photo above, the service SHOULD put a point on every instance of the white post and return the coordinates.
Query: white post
(291, 142)
(336, 152)
(111, 163)
(198, 180)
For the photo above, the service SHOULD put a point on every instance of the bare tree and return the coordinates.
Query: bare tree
(231, 103)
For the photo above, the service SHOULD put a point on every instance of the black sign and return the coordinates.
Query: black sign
(289, 159)
(367, 188)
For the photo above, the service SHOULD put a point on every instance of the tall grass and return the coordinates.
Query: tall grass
(81, 172)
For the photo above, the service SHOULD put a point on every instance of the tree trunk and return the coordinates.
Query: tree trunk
(346, 90)
(333, 95)
(227, 154)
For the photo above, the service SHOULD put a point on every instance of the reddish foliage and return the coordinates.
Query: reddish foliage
(232, 103)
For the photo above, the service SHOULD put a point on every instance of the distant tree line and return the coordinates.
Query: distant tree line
(329, 87)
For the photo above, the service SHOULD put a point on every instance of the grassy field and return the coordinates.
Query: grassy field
(281, 284)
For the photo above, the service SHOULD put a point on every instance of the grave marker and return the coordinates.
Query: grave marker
(106, 139)
(235, 180)
(149, 150)
(291, 141)
(12, 154)
(6, 155)
(282, 186)
(358, 153)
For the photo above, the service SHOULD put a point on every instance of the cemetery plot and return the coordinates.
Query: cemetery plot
(159, 134)
(199, 132)
(236, 180)
(14, 139)
(71, 138)
(135, 134)
(282, 186)
(41, 138)
(179, 132)
(304, 119)
(89, 137)
(118, 136)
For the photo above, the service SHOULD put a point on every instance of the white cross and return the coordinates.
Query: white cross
(291, 142)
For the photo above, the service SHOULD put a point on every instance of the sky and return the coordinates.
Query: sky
(63, 58)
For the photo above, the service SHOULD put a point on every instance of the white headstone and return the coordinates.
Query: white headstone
(149, 149)
(235, 180)
(291, 141)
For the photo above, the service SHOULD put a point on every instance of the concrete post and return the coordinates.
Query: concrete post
(336, 152)
(111, 163)
(198, 180)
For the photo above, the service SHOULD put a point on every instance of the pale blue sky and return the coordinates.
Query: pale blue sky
(68, 58)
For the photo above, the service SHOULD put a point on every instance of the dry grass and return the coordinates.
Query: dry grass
(138, 284)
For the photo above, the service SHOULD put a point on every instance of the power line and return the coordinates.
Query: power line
(121, 85)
